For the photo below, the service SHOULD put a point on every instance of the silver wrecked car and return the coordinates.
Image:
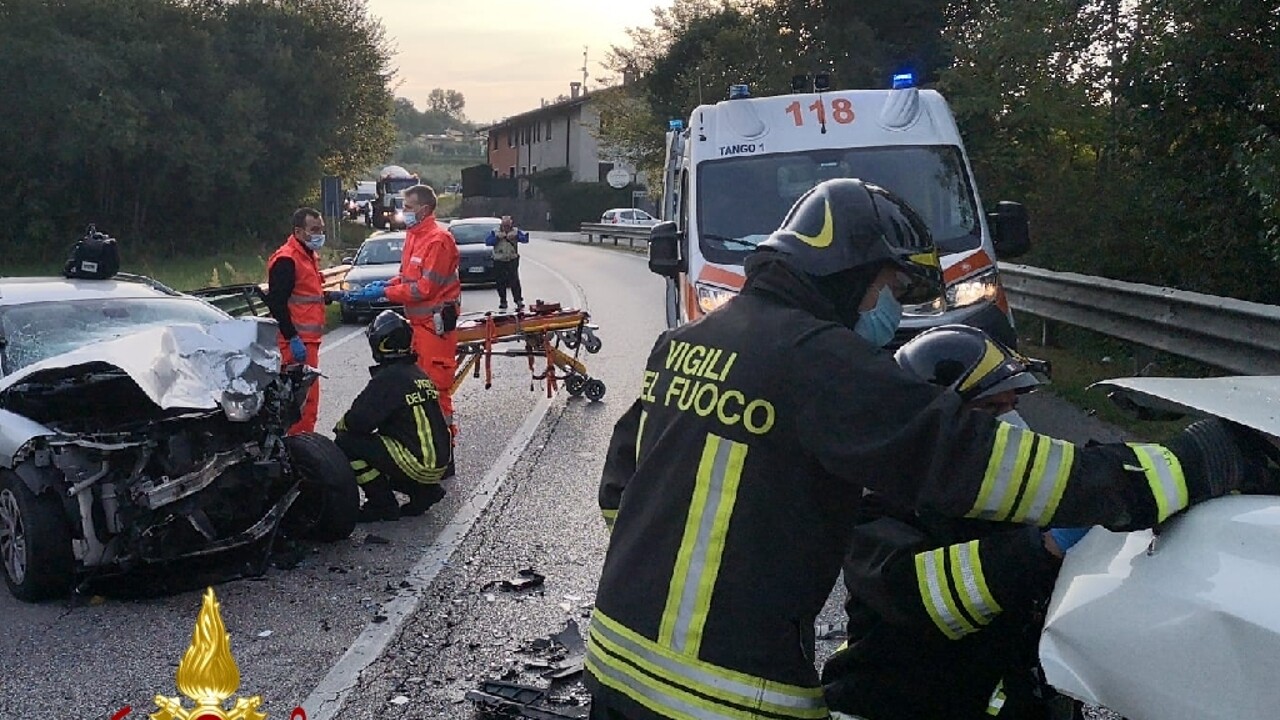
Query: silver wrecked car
(140, 425)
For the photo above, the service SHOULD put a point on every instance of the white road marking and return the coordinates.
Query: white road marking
(330, 695)
(344, 336)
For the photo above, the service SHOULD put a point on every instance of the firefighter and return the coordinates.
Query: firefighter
(296, 299)
(395, 433)
(901, 661)
(428, 288)
(732, 481)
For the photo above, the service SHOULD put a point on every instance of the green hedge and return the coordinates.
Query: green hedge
(573, 203)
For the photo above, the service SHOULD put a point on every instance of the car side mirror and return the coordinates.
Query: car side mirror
(664, 250)
(1010, 229)
(348, 260)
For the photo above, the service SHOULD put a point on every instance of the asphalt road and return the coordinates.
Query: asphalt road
(404, 625)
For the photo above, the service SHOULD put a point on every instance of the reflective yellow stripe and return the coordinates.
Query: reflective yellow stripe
(425, 436)
(1008, 463)
(1164, 475)
(937, 597)
(996, 703)
(306, 299)
(1047, 482)
(609, 517)
(411, 466)
(644, 415)
(702, 546)
(971, 583)
(368, 476)
(676, 685)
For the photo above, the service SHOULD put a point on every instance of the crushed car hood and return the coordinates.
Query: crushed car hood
(177, 367)
(1252, 401)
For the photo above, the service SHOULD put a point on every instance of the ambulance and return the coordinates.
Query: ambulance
(738, 166)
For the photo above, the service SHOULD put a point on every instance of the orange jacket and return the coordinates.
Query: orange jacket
(306, 303)
(428, 279)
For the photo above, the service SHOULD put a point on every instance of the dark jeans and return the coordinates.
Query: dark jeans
(508, 276)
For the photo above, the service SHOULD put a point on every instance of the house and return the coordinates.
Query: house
(560, 134)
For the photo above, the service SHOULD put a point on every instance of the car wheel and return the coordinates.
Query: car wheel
(35, 542)
(329, 502)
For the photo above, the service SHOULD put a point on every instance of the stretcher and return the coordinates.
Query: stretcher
(549, 336)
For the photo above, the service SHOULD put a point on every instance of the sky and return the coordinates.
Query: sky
(504, 56)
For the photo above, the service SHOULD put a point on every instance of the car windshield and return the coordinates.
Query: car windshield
(36, 331)
(471, 233)
(380, 252)
(932, 179)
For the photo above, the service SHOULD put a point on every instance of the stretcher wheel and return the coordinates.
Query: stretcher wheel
(592, 344)
(575, 384)
(570, 340)
(595, 390)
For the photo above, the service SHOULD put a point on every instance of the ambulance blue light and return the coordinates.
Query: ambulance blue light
(904, 80)
(737, 92)
(675, 124)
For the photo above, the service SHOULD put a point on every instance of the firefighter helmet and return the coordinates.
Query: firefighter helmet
(846, 223)
(968, 361)
(390, 337)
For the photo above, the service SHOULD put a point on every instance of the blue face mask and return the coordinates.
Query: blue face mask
(315, 242)
(410, 218)
(878, 324)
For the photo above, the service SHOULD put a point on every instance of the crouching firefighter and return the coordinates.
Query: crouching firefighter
(395, 432)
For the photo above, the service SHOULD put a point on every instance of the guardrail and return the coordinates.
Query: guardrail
(250, 299)
(1235, 335)
(630, 233)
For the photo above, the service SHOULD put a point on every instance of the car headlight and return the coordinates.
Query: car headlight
(241, 408)
(980, 288)
(710, 297)
(352, 286)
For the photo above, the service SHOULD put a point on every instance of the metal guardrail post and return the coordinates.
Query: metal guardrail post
(1235, 335)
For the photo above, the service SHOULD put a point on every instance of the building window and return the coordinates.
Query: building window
(495, 141)
(535, 170)
(511, 137)
(522, 169)
(548, 130)
(511, 171)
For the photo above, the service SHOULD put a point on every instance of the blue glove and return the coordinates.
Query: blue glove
(368, 293)
(297, 349)
(1065, 538)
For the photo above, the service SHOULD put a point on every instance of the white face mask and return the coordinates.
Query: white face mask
(1013, 418)
(315, 242)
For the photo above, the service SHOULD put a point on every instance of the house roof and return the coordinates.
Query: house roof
(551, 109)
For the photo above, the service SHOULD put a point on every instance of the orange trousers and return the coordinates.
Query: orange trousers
(311, 408)
(438, 358)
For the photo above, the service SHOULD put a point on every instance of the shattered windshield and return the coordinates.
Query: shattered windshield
(742, 200)
(36, 331)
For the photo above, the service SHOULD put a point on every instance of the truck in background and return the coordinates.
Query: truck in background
(735, 170)
(388, 201)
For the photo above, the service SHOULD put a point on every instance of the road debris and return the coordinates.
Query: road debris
(526, 579)
(557, 658)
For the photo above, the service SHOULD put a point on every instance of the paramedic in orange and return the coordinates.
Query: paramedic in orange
(296, 299)
(428, 288)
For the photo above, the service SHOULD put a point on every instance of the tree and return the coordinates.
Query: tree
(178, 117)
(447, 102)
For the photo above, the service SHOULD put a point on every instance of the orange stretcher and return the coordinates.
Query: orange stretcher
(541, 333)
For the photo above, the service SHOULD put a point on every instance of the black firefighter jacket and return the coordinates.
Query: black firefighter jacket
(903, 661)
(734, 480)
(401, 406)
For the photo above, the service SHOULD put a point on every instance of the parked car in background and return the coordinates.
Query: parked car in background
(475, 259)
(377, 259)
(628, 216)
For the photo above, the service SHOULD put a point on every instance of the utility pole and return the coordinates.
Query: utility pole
(585, 74)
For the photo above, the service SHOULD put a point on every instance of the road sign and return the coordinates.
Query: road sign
(331, 196)
(618, 178)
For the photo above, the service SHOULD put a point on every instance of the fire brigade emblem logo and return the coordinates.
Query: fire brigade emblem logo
(208, 675)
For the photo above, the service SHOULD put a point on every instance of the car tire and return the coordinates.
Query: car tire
(329, 502)
(35, 542)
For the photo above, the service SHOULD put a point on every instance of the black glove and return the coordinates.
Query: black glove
(1219, 457)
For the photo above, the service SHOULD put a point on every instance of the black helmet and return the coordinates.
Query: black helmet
(968, 361)
(846, 223)
(390, 337)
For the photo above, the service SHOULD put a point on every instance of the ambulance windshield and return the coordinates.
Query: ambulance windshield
(742, 200)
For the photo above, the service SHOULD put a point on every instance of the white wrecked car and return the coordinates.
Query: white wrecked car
(1183, 624)
(139, 425)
